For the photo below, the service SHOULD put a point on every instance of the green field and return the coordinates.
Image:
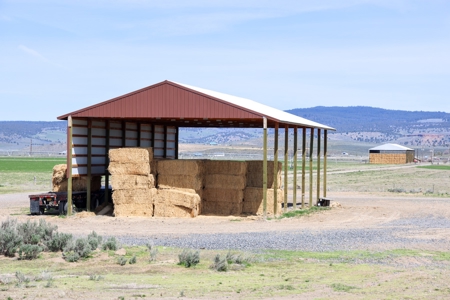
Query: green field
(435, 167)
(23, 174)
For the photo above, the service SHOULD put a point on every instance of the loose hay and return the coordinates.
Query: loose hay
(255, 174)
(225, 167)
(223, 195)
(128, 182)
(218, 181)
(253, 201)
(131, 155)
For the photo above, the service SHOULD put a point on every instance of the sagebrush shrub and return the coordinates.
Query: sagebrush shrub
(94, 240)
(189, 258)
(110, 244)
(29, 251)
(121, 260)
(10, 240)
(219, 264)
(80, 247)
(58, 241)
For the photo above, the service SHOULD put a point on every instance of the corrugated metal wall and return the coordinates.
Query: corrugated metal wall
(121, 134)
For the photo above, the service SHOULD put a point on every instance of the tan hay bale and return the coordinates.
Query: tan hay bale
(223, 195)
(225, 167)
(133, 211)
(253, 201)
(178, 198)
(127, 182)
(225, 181)
(131, 155)
(221, 208)
(135, 196)
(163, 209)
(116, 168)
(180, 181)
(255, 174)
(189, 167)
(59, 173)
(60, 181)
(335, 204)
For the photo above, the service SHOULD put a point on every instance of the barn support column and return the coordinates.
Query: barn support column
(89, 165)
(303, 165)
(139, 128)
(286, 159)
(275, 169)
(265, 167)
(325, 154)
(69, 166)
(176, 141)
(294, 191)
(318, 164)
(107, 162)
(311, 142)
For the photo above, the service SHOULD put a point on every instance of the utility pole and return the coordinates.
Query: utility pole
(31, 147)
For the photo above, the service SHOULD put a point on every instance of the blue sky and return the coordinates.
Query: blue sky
(58, 56)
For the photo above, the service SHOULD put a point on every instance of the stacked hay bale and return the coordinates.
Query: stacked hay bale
(60, 180)
(180, 186)
(132, 183)
(253, 193)
(224, 183)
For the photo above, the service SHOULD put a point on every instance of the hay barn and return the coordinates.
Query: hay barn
(132, 143)
(391, 154)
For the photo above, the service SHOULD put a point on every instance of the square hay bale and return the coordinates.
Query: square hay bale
(225, 181)
(134, 197)
(174, 211)
(221, 208)
(128, 182)
(225, 167)
(133, 211)
(178, 197)
(131, 155)
(116, 168)
(189, 167)
(223, 195)
(255, 174)
(60, 181)
(180, 181)
(253, 201)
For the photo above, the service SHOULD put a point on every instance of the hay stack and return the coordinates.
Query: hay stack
(188, 167)
(60, 181)
(133, 185)
(176, 203)
(129, 182)
(253, 201)
(135, 202)
(255, 174)
(224, 187)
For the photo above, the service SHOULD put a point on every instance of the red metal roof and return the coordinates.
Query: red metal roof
(183, 106)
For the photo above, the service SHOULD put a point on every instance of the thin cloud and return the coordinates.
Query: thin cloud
(36, 54)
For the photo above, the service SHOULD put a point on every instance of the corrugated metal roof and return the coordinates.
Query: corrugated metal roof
(267, 111)
(391, 147)
(179, 103)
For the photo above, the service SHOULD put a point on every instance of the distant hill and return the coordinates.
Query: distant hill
(370, 119)
(355, 124)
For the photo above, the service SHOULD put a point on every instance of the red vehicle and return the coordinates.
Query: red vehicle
(57, 201)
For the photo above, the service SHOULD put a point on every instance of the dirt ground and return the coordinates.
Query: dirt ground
(358, 211)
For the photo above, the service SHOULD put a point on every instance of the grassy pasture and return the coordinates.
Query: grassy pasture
(23, 174)
(327, 275)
